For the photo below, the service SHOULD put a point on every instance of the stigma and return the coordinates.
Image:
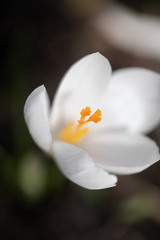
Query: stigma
(74, 132)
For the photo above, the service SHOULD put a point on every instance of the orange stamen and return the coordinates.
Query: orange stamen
(74, 134)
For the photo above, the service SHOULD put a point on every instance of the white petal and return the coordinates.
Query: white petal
(77, 166)
(83, 85)
(122, 153)
(133, 100)
(36, 116)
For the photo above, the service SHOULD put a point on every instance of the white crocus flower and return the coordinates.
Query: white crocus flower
(88, 153)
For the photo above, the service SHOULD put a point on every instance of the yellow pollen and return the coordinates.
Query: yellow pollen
(74, 133)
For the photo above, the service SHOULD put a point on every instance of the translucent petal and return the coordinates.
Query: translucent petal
(84, 84)
(122, 153)
(133, 100)
(36, 111)
(78, 166)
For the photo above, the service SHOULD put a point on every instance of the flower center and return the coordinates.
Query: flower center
(73, 133)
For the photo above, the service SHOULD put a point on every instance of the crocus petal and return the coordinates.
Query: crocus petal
(83, 85)
(122, 153)
(133, 100)
(77, 166)
(36, 116)
(115, 20)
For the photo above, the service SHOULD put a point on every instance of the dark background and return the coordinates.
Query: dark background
(39, 40)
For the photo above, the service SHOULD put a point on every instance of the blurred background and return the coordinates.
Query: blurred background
(39, 40)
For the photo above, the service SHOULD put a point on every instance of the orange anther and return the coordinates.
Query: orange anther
(95, 117)
(85, 112)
